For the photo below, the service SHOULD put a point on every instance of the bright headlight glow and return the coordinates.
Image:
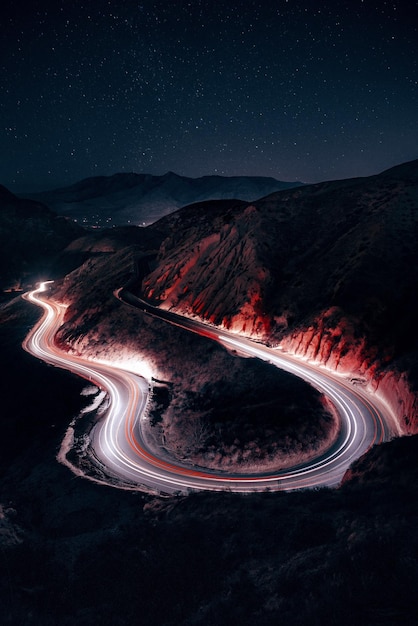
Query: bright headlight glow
(120, 441)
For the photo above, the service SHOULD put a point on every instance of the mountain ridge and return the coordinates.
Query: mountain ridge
(131, 198)
(328, 271)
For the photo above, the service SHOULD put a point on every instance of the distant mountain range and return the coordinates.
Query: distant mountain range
(141, 199)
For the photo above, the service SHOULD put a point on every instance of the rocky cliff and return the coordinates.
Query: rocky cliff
(328, 270)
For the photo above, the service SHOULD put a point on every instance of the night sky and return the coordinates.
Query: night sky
(297, 90)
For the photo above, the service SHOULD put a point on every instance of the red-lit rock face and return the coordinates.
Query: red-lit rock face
(331, 340)
(329, 271)
(339, 348)
(218, 276)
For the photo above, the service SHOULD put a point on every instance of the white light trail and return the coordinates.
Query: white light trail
(119, 444)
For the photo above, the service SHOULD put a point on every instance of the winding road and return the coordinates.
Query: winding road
(119, 442)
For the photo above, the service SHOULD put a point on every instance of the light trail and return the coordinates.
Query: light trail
(118, 440)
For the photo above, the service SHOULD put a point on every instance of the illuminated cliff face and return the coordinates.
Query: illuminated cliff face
(332, 341)
(283, 261)
(218, 275)
(329, 271)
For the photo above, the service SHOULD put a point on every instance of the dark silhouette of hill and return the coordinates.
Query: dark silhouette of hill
(31, 235)
(141, 199)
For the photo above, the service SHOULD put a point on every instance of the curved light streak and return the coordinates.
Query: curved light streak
(118, 441)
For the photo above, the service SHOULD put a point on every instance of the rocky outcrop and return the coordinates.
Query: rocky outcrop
(332, 341)
(214, 273)
(396, 389)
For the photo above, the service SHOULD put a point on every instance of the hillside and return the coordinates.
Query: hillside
(76, 552)
(31, 236)
(141, 199)
(328, 270)
(204, 405)
(73, 552)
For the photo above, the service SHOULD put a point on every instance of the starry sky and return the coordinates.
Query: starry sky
(294, 89)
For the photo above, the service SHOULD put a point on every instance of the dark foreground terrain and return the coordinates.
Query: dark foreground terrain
(73, 552)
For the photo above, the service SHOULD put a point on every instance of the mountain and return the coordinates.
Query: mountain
(31, 235)
(328, 270)
(141, 199)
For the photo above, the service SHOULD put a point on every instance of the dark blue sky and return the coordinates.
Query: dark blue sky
(290, 89)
